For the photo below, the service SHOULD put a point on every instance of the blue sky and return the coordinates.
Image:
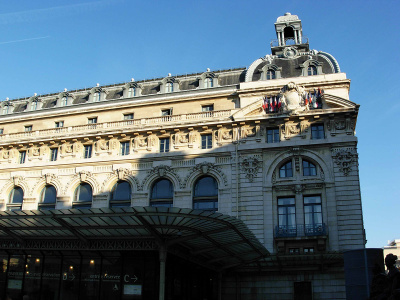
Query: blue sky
(46, 46)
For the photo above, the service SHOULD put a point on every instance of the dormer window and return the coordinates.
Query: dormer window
(169, 87)
(5, 109)
(208, 82)
(64, 101)
(131, 92)
(312, 70)
(270, 74)
(97, 96)
(34, 105)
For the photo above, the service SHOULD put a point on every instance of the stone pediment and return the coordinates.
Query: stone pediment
(255, 109)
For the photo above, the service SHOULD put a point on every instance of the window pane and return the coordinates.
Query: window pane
(84, 193)
(206, 187)
(121, 191)
(162, 189)
(49, 194)
(17, 195)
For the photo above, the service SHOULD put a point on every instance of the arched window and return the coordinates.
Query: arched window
(162, 193)
(205, 194)
(97, 96)
(131, 92)
(270, 74)
(5, 109)
(169, 87)
(34, 105)
(64, 101)
(312, 70)
(48, 197)
(309, 169)
(15, 199)
(83, 196)
(286, 170)
(121, 194)
(208, 82)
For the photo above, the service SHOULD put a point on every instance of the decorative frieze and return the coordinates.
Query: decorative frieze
(250, 166)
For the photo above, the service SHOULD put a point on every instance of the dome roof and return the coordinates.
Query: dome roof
(287, 18)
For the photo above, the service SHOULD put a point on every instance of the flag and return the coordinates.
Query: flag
(265, 103)
(275, 104)
(279, 102)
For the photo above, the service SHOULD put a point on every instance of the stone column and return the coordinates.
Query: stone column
(163, 259)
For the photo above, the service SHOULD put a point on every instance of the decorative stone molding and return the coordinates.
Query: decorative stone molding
(344, 158)
(298, 188)
(250, 166)
(206, 168)
(83, 176)
(119, 174)
(159, 172)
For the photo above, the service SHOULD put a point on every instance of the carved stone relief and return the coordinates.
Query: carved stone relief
(344, 158)
(205, 168)
(250, 166)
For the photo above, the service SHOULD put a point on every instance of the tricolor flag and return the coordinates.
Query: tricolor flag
(265, 104)
(279, 102)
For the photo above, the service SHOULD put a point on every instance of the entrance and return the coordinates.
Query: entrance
(125, 275)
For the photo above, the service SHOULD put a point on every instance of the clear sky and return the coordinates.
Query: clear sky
(46, 46)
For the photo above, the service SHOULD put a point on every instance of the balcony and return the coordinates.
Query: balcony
(136, 124)
(283, 231)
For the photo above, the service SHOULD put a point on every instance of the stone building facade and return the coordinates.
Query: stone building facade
(272, 146)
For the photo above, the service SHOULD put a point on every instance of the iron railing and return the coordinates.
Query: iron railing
(300, 230)
(289, 41)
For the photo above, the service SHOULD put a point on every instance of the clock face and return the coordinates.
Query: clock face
(290, 52)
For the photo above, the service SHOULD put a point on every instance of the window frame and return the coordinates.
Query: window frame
(76, 203)
(87, 151)
(164, 145)
(285, 171)
(318, 131)
(199, 199)
(59, 124)
(28, 128)
(273, 135)
(124, 148)
(47, 206)
(22, 157)
(309, 167)
(270, 74)
(161, 202)
(206, 141)
(12, 205)
(208, 82)
(207, 107)
(120, 202)
(312, 70)
(53, 154)
(128, 116)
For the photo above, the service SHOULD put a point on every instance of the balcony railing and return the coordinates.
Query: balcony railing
(300, 230)
(110, 126)
(289, 41)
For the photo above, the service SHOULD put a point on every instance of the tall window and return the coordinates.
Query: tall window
(96, 96)
(309, 169)
(287, 215)
(312, 70)
(273, 135)
(206, 141)
(121, 194)
(5, 109)
(286, 170)
(313, 215)
(125, 148)
(83, 196)
(270, 74)
(48, 197)
(15, 199)
(162, 193)
(164, 145)
(205, 194)
(169, 87)
(208, 82)
(206, 108)
(34, 105)
(131, 92)
(22, 157)
(64, 101)
(87, 151)
(317, 131)
(53, 154)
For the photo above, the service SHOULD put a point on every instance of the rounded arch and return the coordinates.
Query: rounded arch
(119, 189)
(11, 183)
(78, 179)
(48, 195)
(117, 175)
(47, 179)
(161, 193)
(161, 172)
(204, 169)
(303, 153)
